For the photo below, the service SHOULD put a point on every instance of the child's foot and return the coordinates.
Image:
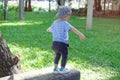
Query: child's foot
(63, 70)
(55, 70)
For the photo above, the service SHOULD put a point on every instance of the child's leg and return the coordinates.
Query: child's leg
(56, 60)
(64, 56)
(64, 60)
(55, 47)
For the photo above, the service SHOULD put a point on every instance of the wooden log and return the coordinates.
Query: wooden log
(44, 74)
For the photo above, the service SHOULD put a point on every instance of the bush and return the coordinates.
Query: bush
(13, 8)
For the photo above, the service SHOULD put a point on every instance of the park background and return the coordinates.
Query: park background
(97, 58)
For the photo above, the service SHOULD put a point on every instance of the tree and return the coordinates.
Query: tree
(89, 14)
(1, 10)
(49, 5)
(5, 9)
(25, 5)
(21, 9)
(97, 4)
(28, 5)
(9, 63)
(104, 6)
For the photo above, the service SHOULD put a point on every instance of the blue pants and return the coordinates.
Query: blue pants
(61, 49)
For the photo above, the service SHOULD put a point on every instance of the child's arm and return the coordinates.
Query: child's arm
(48, 30)
(81, 35)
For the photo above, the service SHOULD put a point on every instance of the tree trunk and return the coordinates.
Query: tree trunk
(119, 10)
(29, 6)
(79, 3)
(104, 6)
(89, 14)
(21, 9)
(49, 6)
(6, 9)
(25, 5)
(9, 63)
(98, 6)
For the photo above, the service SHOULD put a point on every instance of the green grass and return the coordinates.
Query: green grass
(97, 58)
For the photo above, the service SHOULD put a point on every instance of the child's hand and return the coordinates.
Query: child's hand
(82, 37)
(48, 30)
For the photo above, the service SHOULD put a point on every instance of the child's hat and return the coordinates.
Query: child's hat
(63, 11)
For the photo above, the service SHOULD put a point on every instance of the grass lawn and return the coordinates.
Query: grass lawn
(97, 58)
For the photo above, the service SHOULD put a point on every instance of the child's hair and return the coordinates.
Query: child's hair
(63, 11)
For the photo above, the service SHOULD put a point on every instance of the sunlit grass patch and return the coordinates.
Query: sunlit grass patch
(32, 58)
(92, 72)
(20, 23)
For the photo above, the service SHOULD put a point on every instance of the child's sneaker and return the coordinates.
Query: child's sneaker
(55, 70)
(63, 70)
